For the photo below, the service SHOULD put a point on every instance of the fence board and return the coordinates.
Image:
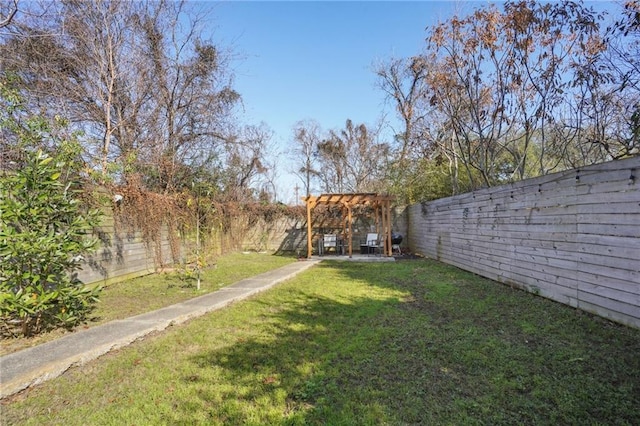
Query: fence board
(572, 236)
(123, 254)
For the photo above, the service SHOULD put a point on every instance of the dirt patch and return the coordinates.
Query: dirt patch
(408, 256)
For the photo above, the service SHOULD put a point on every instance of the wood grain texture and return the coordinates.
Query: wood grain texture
(572, 236)
(123, 254)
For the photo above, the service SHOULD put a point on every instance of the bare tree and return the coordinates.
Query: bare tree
(623, 59)
(502, 83)
(192, 94)
(470, 79)
(352, 160)
(306, 138)
(403, 81)
(244, 155)
(150, 94)
(78, 60)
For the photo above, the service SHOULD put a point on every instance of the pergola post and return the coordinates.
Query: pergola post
(387, 214)
(349, 233)
(310, 204)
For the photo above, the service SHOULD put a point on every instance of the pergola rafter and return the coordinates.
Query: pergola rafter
(380, 204)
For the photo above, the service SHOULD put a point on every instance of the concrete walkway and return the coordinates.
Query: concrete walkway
(31, 366)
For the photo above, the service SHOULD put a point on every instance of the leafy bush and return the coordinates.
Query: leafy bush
(44, 232)
(43, 235)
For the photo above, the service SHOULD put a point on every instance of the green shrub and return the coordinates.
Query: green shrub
(44, 233)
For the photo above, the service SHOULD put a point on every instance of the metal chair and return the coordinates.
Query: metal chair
(330, 241)
(374, 244)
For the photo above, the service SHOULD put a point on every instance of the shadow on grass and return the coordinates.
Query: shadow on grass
(413, 342)
(417, 343)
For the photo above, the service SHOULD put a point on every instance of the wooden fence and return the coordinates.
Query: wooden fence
(572, 236)
(124, 254)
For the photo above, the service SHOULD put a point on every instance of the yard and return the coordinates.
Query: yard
(413, 342)
(136, 296)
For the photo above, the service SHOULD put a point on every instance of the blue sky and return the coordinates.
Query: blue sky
(313, 60)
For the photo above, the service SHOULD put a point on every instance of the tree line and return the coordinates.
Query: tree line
(505, 93)
(149, 96)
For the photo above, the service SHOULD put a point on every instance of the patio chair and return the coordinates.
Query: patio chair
(374, 244)
(330, 241)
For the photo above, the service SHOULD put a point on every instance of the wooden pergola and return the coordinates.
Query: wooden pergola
(380, 204)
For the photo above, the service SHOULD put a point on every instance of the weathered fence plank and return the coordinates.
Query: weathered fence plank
(572, 236)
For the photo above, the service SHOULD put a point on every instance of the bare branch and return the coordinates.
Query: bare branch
(6, 20)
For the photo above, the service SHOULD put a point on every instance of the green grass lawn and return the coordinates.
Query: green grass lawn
(415, 342)
(150, 292)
